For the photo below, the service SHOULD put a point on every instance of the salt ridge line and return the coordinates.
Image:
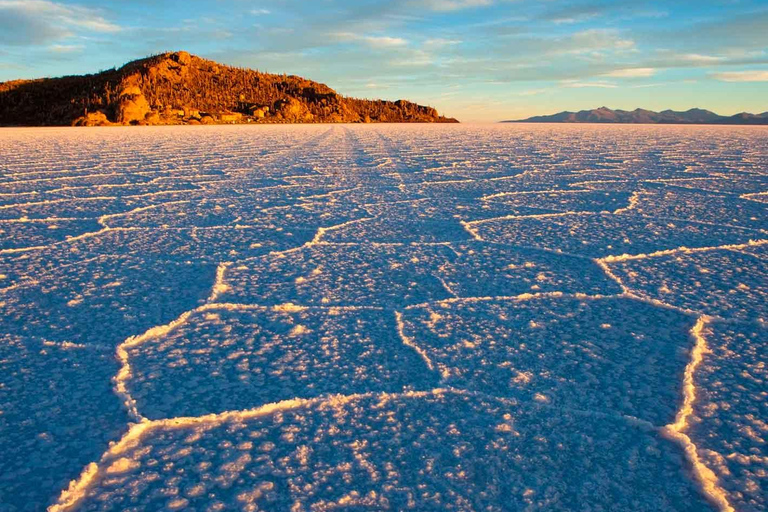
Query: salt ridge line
(61, 178)
(59, 201)
(15, 195)
(400, 201)
(604, 182)
(472, 232)
(533, 404)
(220, 286)
(124, 374)
(534, 216)
(750, 197)
(322, 231)
(676, 431)
(676, 180)
(70, 345)
(696, 190)
(332, 193)
(70, 239)
(516, 298)
(407, 341)
(619, 212)
(315, 240)
(98, 187)
(534, 192)
(446, 182)
(478, 238)
(107, 229)
(104, 218)
(503, 178)
(690, 221)
(679, 250)
(634, 200)
(444, 283)
(37, 220)
(41, 168)
(631, 294)
(25, 249)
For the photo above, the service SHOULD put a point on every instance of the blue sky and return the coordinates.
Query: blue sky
(478, 60)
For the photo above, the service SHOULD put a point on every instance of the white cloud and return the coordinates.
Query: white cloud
(532, 92)
(439, 42)
(632, 73)
(700, 59)
(575, 84)
(372, 41)
(66, 48)
(742, 76)
(260, 12)
(384, 41)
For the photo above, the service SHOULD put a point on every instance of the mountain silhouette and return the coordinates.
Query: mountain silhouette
(641, 116)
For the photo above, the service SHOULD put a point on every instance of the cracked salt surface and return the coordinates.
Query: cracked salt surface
(386, 317)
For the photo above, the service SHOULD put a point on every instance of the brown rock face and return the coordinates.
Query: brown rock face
(230, 117)
(182, 58)
(92, 119)
(293, 110)
(153, 118)
(133, 107)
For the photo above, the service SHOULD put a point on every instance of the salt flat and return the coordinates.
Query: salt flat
(384, 317)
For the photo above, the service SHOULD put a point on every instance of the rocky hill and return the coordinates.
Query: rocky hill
(641, 116)
(179, 88)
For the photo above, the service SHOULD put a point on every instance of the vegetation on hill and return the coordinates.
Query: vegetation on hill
(179, 88)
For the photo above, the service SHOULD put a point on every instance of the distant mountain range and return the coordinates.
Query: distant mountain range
(179, 88)
(641, 116)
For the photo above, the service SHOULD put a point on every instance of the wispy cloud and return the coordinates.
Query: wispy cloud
(700, 59)
(440, 42)
(66, 48)
(576, 84)
(384, 41)
(40, 21)
(371, 41)
(631, 73)
(742, 76)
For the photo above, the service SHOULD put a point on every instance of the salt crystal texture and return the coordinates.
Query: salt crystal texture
(384, 317)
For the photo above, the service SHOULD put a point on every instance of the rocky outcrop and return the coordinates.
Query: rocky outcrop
(293, 111)
(179, 88)
(132, 107)
(97, 118)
